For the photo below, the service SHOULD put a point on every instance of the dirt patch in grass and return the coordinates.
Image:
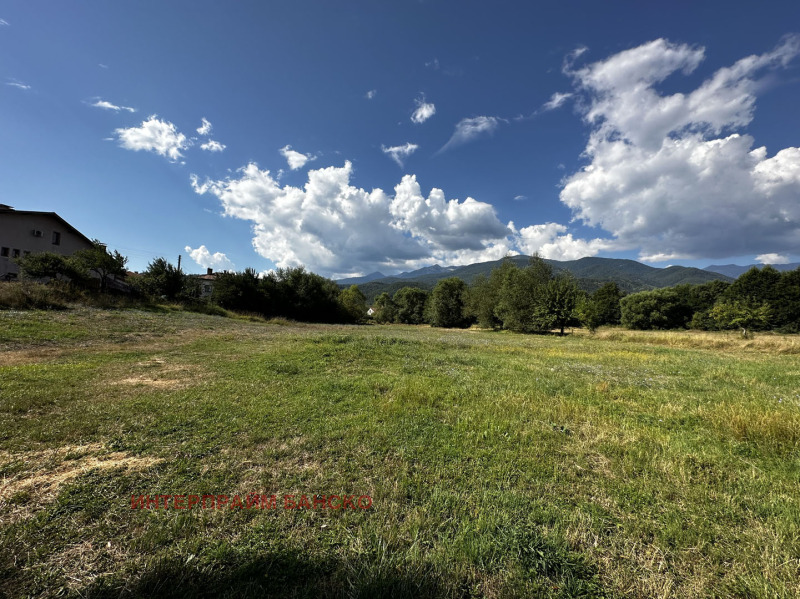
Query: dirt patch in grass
(158, 373)
(29, 356)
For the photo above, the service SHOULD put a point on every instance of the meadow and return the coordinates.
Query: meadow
(619, 464)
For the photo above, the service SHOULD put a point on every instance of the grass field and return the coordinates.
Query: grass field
(498, 465)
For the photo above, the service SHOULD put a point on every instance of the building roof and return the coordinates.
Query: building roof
(6, 209)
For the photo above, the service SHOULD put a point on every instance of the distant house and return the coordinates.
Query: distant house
(24, 232)
(207, 283)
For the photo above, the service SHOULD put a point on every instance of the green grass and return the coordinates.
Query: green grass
(498, 465)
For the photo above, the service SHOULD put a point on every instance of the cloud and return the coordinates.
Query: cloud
(668, 173)
(335, 228)
(109, 106)
(433, 64)
(773, 259)
(400, 153)
(556, 101)
(204, 258)
(371, 94)
(295, 160)
(205, 127)
(212, 146)
(4, 23)
(549, 241)
(423, 112)
(519, 198)
(154, 135)
(469, 129)
(18, 84)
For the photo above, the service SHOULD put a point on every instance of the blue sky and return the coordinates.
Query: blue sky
(360, 136)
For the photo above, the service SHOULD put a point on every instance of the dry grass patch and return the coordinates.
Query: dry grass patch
(158, 373)
(45, 472)
(773, 343)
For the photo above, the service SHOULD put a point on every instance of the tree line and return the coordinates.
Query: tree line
(534, 299)
(530, 299)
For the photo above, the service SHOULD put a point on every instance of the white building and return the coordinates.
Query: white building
(24, 232)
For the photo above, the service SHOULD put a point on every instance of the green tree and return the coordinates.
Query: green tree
(448, 302)
(484, 295)
(385, 310)
(786, 309)
(738, 314)
(588, 313)
(354, 304)
(606, 301)
(410, 302)
(162, 279)
(656, 309)
(756, 285)
(521, 306)
(559, 300)
(240, 291)
(98, 260)
(46, 265)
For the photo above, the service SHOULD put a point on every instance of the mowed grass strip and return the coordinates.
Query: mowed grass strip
(498, 465)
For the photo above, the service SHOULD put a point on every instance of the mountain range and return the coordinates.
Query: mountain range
(591, 273)
(735, 270)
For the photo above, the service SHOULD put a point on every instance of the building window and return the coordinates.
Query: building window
(15, 253)
(56, 238)
(4, 252)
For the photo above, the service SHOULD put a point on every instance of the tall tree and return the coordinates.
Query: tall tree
(354, 304)
(559, 301)
(448, 302)
(484, 295)
(520, 306)
(606, 300)
(162, 279)
(98, 260)
(410, 302)
(385, 310)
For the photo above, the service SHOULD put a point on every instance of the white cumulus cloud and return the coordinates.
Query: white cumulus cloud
(295, 159)
(154, 135)
(551, 241)
(668, 173)
(424, 111)
(205, 127)
(335, 228)
(105, 105)
(400, 153)
(204, 258)
(371, 94)
(773, 259)
(212, 146)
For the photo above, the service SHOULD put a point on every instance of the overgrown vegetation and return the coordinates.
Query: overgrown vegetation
(621, 464)
(530, 299)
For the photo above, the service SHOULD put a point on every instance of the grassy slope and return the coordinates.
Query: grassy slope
(499, 465)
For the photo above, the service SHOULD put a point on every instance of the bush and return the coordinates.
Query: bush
(27, 295)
